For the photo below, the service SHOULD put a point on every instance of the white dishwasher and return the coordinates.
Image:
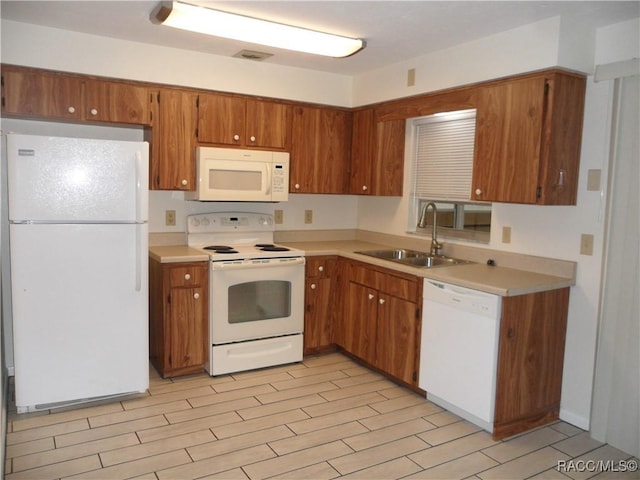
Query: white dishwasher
(459, 350)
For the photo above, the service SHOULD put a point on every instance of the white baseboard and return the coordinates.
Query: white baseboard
(576, 420)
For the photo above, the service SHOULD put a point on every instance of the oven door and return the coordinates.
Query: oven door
(257, 298)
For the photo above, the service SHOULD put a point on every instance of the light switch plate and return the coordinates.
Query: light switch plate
(411, 77)
(506, 234)
(586, 244)
(593, 180)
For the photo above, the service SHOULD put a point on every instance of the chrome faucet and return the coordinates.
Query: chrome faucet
(435, 245)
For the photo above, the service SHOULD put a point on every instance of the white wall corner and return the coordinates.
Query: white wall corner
(576, 46)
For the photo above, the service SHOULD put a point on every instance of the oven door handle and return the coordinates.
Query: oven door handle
(257, 263)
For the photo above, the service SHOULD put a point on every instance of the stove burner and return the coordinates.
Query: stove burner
(268, 247)
(221, 249)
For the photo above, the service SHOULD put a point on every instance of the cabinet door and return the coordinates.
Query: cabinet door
(388, 169)
(362, 152)
(320, 150)
(173, 141)
(530, 360)
(117, 102)
(267, 124)
(187, 331)
(221, 119)
(359, 321)
(40, 94)
(396, 349)
(318, 313)
(508, 134)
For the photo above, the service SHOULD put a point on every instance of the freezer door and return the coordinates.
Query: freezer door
(58, 179)
(80, 312)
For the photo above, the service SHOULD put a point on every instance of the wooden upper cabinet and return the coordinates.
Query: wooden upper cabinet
(377, 155)
(320, 150)
(363, 142)
(528, 139)
(388, 171)
(117, 102)
(172, 140)
(36, 93)
(244, 122)
(44, 94)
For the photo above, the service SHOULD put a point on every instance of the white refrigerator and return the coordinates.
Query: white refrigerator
(78, 235)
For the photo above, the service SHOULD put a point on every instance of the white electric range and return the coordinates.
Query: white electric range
(256, 291)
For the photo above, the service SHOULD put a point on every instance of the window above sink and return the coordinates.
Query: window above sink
(442, 165)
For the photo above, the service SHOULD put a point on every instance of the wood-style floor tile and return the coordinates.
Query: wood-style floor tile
(323, 418)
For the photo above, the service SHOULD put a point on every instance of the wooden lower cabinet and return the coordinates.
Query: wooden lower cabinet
(320, 303)
(530, 361)
(381, 319)
(178, 317)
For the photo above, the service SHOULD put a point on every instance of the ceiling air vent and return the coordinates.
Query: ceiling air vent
(253, 55)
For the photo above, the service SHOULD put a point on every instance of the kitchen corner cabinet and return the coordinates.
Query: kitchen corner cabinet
(244, 122)
(528, 136)
(381, 319)
(172, 140)
(377, 155)
(28, 92)
(178, 318)
(320, 150)
(319, 303)
(530, 361)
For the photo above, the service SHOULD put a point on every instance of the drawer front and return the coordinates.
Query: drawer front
(324, 266)
(386, 281)
(188, 275)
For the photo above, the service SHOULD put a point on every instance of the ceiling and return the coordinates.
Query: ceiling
(394, 30)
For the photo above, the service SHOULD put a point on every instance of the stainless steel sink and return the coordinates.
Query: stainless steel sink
(413, 258)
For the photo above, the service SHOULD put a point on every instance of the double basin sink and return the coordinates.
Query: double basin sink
(414, 258)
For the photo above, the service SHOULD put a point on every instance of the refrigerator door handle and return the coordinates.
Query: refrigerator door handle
(139, 188)
(140, 241)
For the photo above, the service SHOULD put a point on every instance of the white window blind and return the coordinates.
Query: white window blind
(444, 156)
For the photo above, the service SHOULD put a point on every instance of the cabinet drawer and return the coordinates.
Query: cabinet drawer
(323, 266)
(188, 275)
(386, 281)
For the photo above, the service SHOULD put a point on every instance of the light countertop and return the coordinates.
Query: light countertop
(499, 280)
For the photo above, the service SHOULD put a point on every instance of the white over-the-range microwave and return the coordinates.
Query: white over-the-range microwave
(238, 175)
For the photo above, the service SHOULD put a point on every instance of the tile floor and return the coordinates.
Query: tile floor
(327, 417)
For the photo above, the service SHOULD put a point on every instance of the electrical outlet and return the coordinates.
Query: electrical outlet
(506, 234)
(586, 244)
(308, 216)
(278, 217)
(170, 218)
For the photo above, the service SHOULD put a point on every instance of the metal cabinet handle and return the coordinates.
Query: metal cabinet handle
(236, 137)
(364, 188)
(371, 296)
(321, 268)
(94, 111)
(196, 296)
(187, 276)
(381, 301)
(478, 191)
(252, 138)
(313, 286)
(184, 182)
(72, 109)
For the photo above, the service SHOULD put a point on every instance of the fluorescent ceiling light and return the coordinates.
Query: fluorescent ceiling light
(253, 30)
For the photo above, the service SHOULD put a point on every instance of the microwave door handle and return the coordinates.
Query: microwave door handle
(268, 179)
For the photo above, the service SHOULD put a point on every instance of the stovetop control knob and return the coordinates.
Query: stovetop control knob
(205, 221)
(195, 222)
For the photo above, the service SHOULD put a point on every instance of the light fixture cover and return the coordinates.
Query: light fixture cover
(254, 30)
